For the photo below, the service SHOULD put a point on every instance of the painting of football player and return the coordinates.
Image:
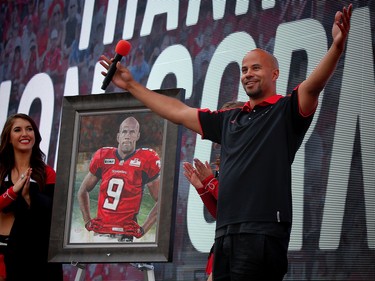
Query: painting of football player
(123, 171)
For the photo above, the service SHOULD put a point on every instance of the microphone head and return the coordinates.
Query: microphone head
(123, 47)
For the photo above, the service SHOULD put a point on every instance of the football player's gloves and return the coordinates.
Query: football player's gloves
(132, 228)
(94, 225)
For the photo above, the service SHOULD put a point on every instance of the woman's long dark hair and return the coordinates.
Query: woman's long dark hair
(7, 153)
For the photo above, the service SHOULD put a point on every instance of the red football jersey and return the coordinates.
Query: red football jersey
(122, 182)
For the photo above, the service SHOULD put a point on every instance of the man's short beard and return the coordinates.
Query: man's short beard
(254, 94)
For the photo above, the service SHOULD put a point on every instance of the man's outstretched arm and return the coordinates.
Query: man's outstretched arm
(310, 89)
(169, 108)
(83, 196)
(153, 187)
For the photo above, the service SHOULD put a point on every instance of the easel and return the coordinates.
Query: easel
(80, 275)
(147, 268)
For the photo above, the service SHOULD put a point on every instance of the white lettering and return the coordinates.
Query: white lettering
(193, 12)
(174, 59)
(241, 7)
(97, 79)
(110, 22)
(349, 111)
(157, 7)
(315, 44)
(88, 12)
(71, 87)
(130, 16)
(5, 88)
(218, 7)
(46, 94)
(268, 4)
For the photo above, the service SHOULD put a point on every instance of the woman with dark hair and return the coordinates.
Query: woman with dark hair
(26, 188)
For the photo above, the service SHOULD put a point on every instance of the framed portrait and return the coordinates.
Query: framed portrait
(116, 180)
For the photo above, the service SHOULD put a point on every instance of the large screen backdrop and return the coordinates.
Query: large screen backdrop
(50, 49)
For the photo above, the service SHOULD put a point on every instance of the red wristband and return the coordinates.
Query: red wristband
(13, 195)
(207, 180)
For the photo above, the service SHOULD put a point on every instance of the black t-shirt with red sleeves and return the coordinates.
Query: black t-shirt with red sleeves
(258, 146)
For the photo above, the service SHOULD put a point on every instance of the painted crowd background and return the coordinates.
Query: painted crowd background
(42, 36)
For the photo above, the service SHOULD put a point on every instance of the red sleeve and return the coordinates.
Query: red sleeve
(209, 196)
(50, 175)
(210, 202)
(211, 184)
(152, 168)
(7, 197)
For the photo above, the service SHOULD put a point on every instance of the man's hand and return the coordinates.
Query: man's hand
(122, 77)
(341, 26)
(132, 228)
(94, 225)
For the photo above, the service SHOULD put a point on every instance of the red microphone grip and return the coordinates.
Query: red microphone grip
(123, 47)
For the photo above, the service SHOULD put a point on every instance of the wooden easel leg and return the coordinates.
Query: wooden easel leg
(149, 275)
(80, 275)
(148, 270)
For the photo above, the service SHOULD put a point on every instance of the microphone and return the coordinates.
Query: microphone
(122, 49)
